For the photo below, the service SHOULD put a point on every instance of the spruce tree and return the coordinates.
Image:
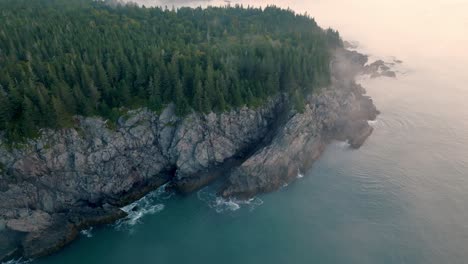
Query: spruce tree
(60, 115)
(154, 91)
(111, 59)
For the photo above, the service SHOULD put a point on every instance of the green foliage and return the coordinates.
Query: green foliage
(334, 39)
(111, 125)
(298, 102)
(60, 58)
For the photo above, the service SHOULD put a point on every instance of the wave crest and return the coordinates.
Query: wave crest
(220, 204)
(148, 205)
(87, 232)
(17, 261)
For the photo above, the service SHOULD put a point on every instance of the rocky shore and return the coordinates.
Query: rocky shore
(66, 181)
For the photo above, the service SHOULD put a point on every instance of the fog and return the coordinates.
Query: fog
(409, 29)
(430, 36)
(424, 115)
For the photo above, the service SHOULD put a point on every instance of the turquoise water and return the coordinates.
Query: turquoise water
(401, 198)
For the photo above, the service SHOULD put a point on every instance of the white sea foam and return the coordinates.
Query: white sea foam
(137, 212)
(148, 205)
(342, 144)
(299, 174)
(221, 205)
(372, 122)
(87, 232)
(17, 261)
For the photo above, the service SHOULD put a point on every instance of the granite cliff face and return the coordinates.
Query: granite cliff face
(337, 113)
(68, 180)
(79, 177)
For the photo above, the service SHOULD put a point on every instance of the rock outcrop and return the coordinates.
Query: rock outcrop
(65, 181)
(70, 179)
(379, 68)
(340, 112)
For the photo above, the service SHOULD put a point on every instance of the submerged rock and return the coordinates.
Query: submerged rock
(68, 180)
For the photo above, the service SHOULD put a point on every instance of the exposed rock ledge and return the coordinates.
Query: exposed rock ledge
(68, 180)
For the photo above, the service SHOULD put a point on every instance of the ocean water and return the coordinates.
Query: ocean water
(401, 198)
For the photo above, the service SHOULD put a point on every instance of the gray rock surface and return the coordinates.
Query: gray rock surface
(379, 68)
(67, 180)
(339, 112)
(75, 172)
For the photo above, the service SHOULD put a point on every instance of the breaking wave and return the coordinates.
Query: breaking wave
(220, 204)
(87, 232)
(17, 261)
(342, 144)
(150, 204)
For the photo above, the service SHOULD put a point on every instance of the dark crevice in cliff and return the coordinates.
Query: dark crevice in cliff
(282, 114)
(140, 189)
(220, 172)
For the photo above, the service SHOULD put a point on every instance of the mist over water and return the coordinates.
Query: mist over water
(401, 198)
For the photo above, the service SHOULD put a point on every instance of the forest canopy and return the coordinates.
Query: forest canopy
(61, 58)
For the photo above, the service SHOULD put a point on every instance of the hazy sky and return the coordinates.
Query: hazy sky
(420, 27)
(426, 34)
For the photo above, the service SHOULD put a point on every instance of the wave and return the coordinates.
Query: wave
(87, 232)
(342, 144)
(148, 205)
(221, 205)
(17, 261)
(300, 175)
(135, 214)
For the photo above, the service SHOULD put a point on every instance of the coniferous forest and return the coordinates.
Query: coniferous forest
(61, 58)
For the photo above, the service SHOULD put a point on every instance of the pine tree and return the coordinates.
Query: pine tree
(298, 101)
(154, 91)
(236, 96)
(4, 109)
(60, 116)
(102, 81)
(66, 96)
(82, 105)
(182, 106)
(27, 127)
(198, 98)
(220, 103)
(209, 90)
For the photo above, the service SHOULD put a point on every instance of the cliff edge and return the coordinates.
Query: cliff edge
(67, 180)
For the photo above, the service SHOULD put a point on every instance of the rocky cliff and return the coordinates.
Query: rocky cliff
(68, 180)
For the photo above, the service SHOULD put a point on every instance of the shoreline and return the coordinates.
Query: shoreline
(148, 151)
